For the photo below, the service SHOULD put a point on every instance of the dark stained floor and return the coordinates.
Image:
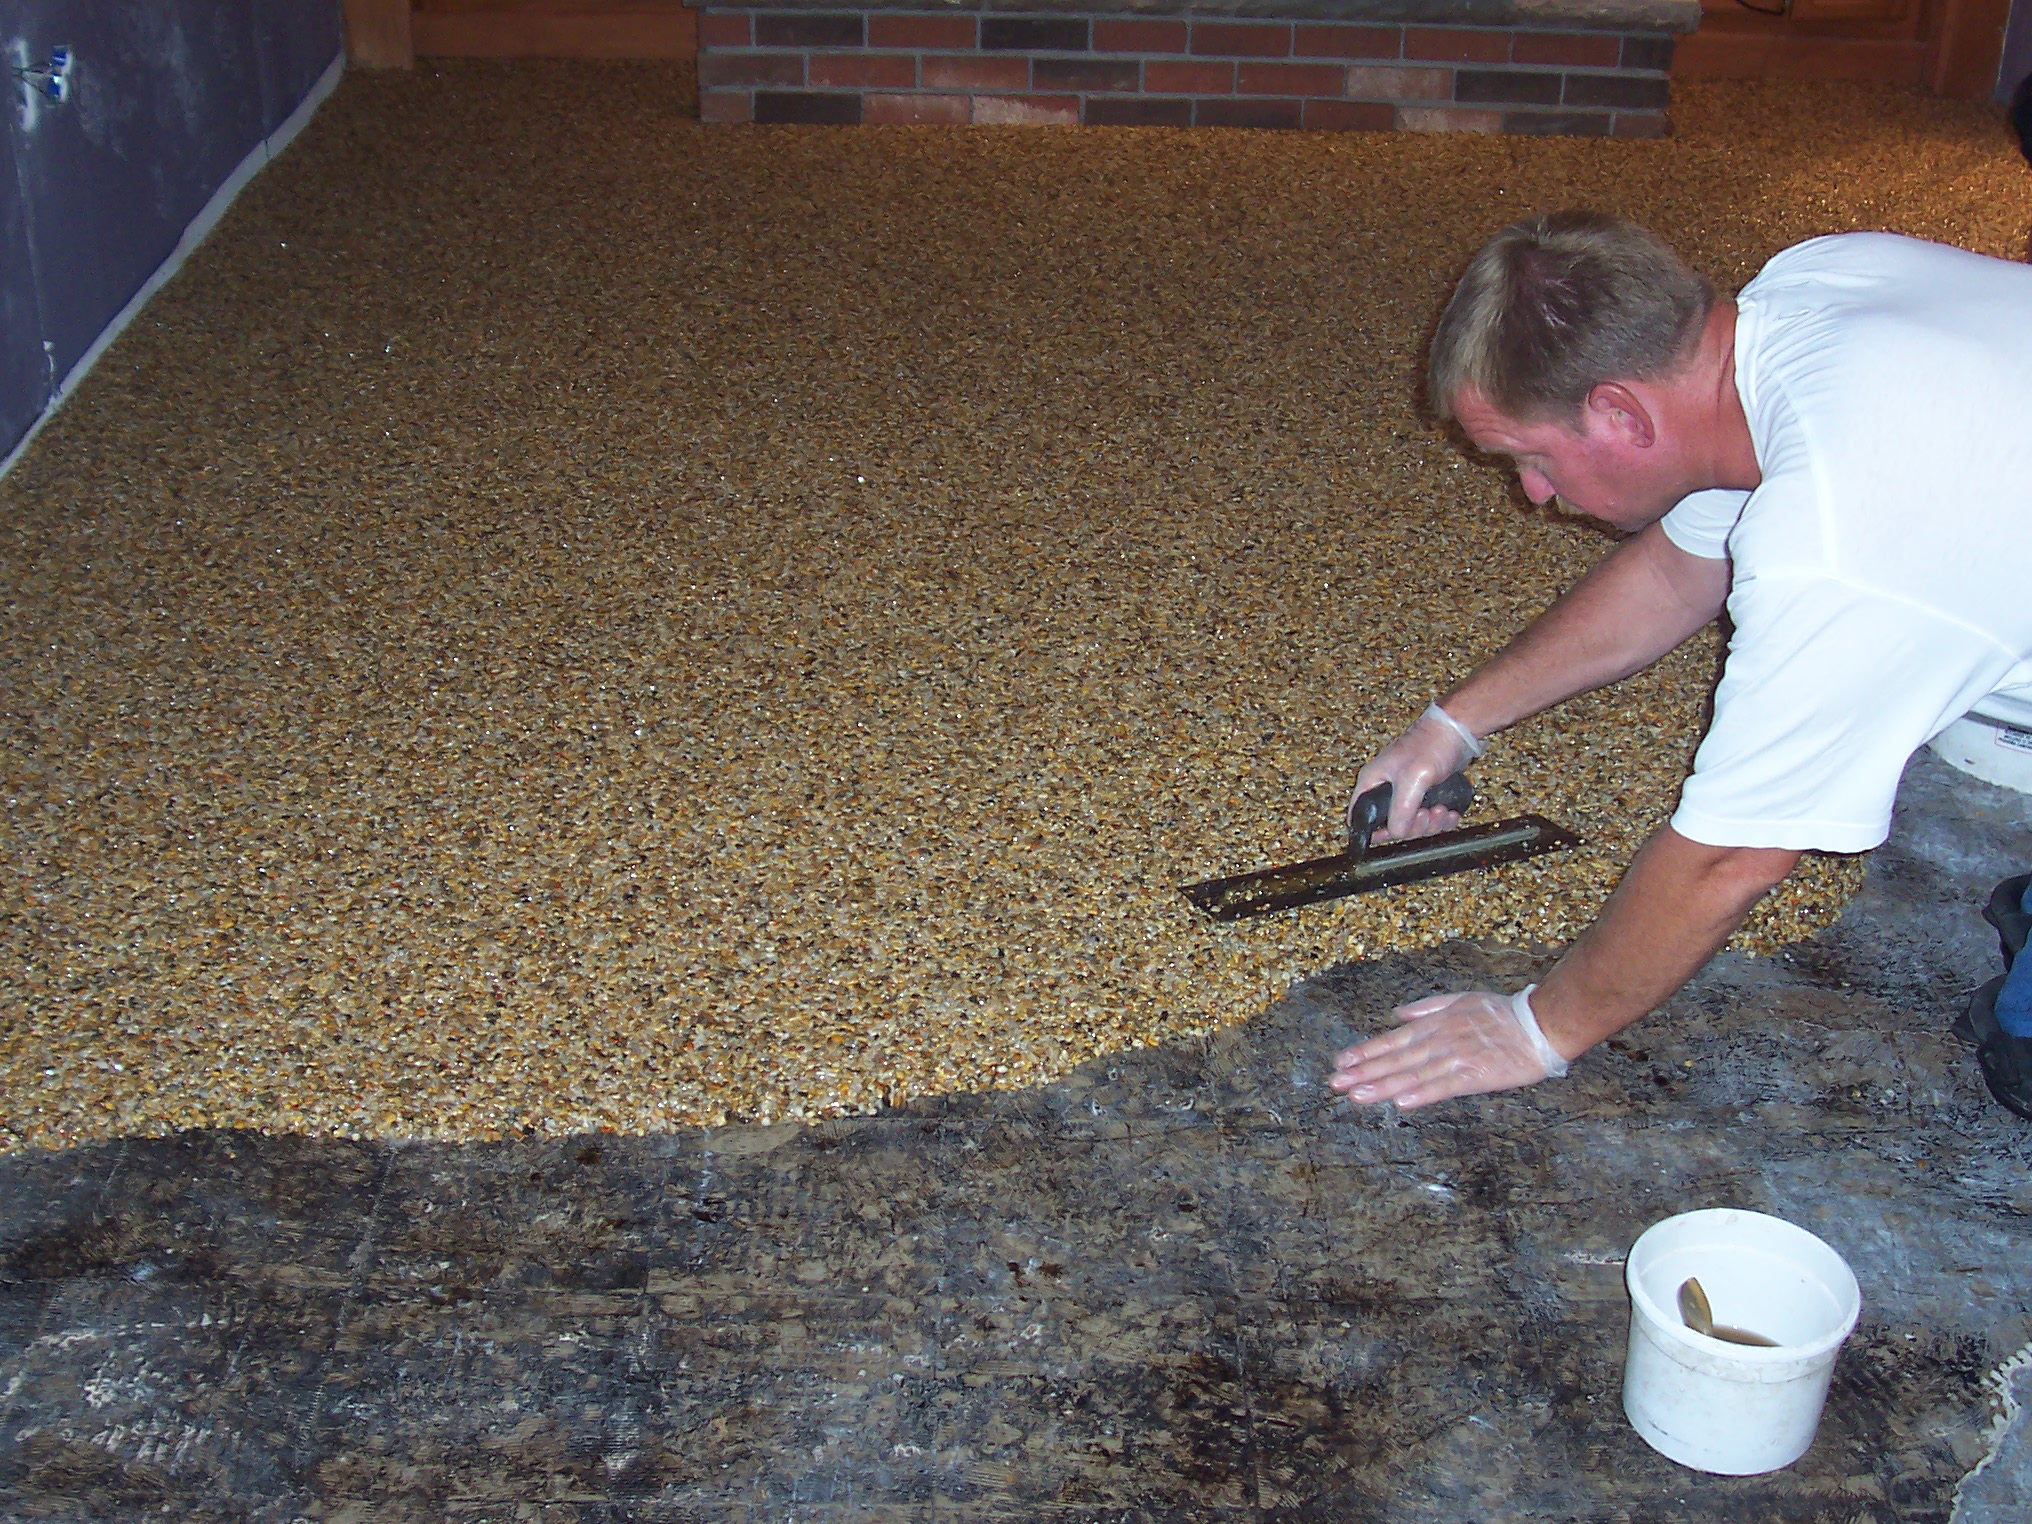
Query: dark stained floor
(1180, 1285)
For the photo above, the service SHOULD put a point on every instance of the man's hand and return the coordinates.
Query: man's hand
(1429, 752)
(1643, 599)
(1449, 1045)
(1676, 905)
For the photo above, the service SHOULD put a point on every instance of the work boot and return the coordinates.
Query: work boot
(2006, 1061)
(2006, 911)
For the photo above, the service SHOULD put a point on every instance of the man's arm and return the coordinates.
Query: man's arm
(1675, 907)
(1643, 599)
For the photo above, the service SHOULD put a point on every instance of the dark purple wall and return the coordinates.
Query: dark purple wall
(2017, 49)
(168, 96)
(24, 372)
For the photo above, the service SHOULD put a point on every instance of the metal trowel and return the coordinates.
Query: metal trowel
(1362, 867)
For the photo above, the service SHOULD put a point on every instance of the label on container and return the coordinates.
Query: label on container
(2013, 739)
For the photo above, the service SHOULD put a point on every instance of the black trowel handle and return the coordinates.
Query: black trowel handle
(1370, 811)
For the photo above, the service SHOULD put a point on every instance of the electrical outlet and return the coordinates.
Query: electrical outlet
(49, 81)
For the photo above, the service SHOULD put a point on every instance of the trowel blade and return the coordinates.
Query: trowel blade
(1400, 862)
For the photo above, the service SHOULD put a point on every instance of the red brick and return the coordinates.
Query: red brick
(1647, 53)
(811, 29)
(1584, 50)
(1139, 36)
(1026, 110)
(1448, 119)
(1242, 39)
(1339, 41)
(1506, 87)
(750, 69)
(1240, 113)
(1137, 111)
(1618, 92)
(1088, 76)
(1447, 44)
(970, 71)
(1291, 79)
(921, 31)
(1642, 124)
(1161, 78)
(1379, 83)
(717, 29)
(726, 106)
(829, 108)
(1036, 34)
(939, 110)
(863, 71)
(1561, 124)
(1349, 116)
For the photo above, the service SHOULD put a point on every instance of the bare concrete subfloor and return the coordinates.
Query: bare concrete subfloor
(1181, 1285)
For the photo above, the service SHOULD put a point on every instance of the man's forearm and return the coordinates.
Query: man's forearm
(1675, 907)
(1642, 600)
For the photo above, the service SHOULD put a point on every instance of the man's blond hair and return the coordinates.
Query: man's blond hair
(1554, 305)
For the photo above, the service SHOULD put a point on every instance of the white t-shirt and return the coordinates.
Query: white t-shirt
(1882, 582)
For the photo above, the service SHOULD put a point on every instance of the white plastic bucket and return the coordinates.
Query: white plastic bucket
(1989, 749)
(1734, 1409)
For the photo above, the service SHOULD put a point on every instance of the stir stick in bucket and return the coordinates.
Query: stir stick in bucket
(1700, 1318)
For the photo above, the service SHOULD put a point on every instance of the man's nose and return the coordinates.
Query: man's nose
(1536, 487)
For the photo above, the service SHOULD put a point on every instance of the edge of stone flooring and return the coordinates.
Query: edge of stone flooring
(1264, 1208)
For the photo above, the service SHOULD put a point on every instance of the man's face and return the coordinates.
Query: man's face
(1596, 466)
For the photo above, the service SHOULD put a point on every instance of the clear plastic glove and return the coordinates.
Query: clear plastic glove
(1435, 748)
(1450, 1045)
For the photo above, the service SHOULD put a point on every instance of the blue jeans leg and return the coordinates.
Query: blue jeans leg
(2014, 1000)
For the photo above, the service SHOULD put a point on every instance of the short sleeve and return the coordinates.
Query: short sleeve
(1827, 691)
(1700, 523)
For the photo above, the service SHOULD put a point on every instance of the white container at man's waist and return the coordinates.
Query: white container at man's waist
(1992, 742)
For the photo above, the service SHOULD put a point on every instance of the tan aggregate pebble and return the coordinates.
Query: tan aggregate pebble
(566, 619)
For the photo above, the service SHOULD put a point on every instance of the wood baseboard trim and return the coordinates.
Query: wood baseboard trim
(1742, 55)
(666, 32)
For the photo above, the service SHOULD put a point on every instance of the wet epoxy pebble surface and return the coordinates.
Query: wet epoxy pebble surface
(1179, 1285)
(561, 619)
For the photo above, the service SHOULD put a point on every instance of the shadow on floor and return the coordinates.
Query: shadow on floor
(1181, 1285)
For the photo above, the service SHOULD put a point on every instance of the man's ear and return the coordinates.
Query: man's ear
(1615, 404)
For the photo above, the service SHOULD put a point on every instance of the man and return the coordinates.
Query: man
(1843, 458)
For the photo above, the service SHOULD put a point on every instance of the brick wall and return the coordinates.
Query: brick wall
(891, 66)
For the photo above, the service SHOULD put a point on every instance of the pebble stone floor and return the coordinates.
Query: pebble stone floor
(565, 620)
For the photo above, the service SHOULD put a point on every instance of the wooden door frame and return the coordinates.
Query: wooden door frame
(377, 34)
(1952, 47)
(1966, 48)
